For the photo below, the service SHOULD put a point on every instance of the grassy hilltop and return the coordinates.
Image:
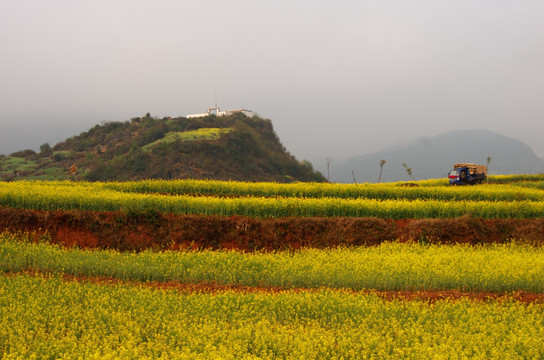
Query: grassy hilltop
(225, 148)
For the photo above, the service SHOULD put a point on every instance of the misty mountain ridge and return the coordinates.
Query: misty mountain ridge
(433, 157)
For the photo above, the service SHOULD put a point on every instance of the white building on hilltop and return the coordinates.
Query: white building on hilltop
(215, 111)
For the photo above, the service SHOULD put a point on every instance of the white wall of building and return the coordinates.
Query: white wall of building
(216, 111)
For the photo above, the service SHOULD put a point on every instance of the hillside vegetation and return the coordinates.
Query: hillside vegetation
(226, 148)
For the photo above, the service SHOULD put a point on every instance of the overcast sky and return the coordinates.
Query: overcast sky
(337, 78)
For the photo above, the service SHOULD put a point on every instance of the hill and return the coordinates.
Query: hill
(433, 157)
(231, 147)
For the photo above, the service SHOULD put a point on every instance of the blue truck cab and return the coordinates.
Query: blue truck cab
(467, 174)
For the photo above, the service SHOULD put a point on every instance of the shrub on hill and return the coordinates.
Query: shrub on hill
(26, 154)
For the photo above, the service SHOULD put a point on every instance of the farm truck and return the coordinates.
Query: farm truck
(467, 174)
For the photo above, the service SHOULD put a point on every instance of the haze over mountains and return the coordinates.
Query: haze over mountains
(433, 157)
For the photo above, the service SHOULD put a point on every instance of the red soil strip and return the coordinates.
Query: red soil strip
(137, 231)
(431, 296)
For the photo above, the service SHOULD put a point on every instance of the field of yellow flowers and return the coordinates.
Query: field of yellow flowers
(70, 303)
(47, 316)
(430, 199)
(389, 266)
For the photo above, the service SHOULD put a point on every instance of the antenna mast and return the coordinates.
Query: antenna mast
(216, 109)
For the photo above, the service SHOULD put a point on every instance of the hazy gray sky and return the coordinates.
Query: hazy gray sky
(337, 78)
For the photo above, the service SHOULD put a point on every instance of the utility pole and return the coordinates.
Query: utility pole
(382, 163)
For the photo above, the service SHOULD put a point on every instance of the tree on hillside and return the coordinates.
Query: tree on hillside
(45, 149)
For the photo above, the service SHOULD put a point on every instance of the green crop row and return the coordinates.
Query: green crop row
(506, 179)
(390, 266)
(95, 197)
(424, 190)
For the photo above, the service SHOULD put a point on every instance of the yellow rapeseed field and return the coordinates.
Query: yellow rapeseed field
(47, 318)
(400, 202)
(44, 316)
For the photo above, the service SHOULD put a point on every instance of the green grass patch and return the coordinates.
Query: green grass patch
(62, 152)
(49, 174)
(10, 164)
(56, 170)
(193, 135)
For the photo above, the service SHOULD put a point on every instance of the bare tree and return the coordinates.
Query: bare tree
(352, 173)
(408, 170)
(382, 163)
(488, 161)
(328, 166)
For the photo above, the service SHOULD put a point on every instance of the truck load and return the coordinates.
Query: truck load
(467, 174)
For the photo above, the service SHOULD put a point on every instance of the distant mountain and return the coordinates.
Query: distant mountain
(234, 147)
(433, 157)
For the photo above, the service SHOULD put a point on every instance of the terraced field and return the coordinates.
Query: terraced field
(205, 269)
